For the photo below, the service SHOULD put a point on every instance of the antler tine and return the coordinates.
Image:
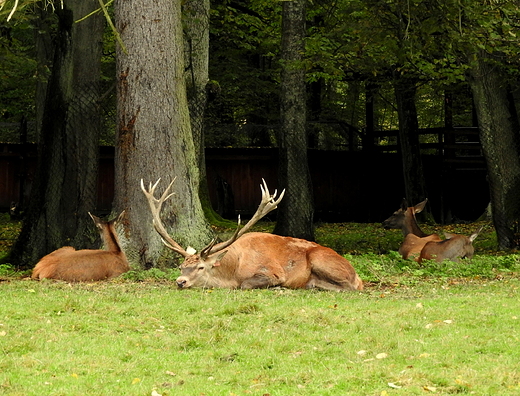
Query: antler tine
(267, 204)
(155, 207)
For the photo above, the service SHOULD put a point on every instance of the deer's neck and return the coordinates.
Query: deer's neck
(410, 226)
(110, 240)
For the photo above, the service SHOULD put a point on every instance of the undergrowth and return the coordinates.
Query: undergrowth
(371, 249)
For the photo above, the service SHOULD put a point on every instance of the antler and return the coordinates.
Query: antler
(267, 204)
(155, 207)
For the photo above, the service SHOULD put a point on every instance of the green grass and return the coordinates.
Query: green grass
(448, 328)
(135, 338)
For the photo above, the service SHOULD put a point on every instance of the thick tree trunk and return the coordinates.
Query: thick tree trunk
(414, 182)
(295, 214)
(500, 144)
(65, 184)
(153, 138)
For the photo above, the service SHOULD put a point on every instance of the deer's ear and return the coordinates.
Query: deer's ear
(420, 206)
(214, 259)
(473, 237)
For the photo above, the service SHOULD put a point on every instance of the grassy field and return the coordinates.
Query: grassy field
(434, 329)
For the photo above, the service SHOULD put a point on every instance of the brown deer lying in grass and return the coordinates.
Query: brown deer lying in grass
(455, 246)
(257, 260)
(414, 238)
(73, 265)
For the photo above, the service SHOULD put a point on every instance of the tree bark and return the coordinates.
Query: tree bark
(414, 181)
(44, 57)
(196, 41)
(500, 143)
(65, 185)
(153, 137)
(296, 211)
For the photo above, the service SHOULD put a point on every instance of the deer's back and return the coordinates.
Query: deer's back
(73, 265)
(451, 249)
(297, 262)
(413, 245)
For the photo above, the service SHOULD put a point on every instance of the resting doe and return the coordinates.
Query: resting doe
(414, 238)
(85, 265)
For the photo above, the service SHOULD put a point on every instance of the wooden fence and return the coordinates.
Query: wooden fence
(354, 186)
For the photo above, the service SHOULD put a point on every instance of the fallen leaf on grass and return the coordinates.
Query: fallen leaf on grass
(135, 381)
(392, 385)
(381, 355)
(430, 388)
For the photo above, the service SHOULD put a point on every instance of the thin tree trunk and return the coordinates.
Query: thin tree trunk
(500, 143)
(65, 184)
(154, 138)
(295, 216)
(196, 37)
(415, 187)
(44, 56)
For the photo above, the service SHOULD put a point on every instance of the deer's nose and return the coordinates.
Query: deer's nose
(181, 283)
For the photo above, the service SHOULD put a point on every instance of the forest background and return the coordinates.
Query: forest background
(286, 74)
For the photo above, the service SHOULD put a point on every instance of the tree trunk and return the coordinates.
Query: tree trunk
(196, 37)
(295, 214)
(154, 138)
(500, 144)
(65, 185)
(415, 187)
(44, 57)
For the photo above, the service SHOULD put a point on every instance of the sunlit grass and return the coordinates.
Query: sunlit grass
(436, 328)
(136, 338)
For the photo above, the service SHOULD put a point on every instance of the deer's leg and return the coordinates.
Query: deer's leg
(315, 282)
(262, 279)
(330, 271)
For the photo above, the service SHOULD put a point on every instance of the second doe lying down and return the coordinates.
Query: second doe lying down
(454, 247)
(420, 246)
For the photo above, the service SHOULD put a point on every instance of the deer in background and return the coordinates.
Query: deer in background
(85, 265)
(455, 246)
(256, 260)
(414, 238)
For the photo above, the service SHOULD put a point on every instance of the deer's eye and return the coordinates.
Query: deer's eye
(200, 268)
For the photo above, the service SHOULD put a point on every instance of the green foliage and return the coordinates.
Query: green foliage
(382, 268)
(17, 74)
(7, 270)
(349, 43)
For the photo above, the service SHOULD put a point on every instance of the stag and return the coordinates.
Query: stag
(256, 260)
(414, 238)
(454, 247)
(85, 265)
